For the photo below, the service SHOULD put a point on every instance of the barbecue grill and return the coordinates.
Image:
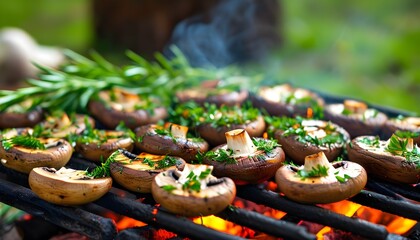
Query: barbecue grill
(398, 199)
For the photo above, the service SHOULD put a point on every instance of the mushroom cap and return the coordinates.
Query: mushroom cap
(185, 148)
(297, 150)
(216, 196)
(62, 190)
(255, 168)
(98, 151)
(137, 176)
(24, 159)
(210, 94)
(112, 115)
(216, 135)
(321, 189)
(76, 125)
(273, 100)
(20, 120)
(355, 124)
(411, 124)
(382, 164)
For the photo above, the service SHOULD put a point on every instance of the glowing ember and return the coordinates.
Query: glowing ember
(393, 223)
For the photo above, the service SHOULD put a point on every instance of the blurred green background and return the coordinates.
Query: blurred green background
(368, 50)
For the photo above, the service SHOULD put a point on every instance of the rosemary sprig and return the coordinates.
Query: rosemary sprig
(72, 86)
(27, 141)
(104, 169)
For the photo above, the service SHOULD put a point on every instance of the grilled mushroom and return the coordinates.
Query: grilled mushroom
(136, 172)
(395, 160)
(25, 152)
(100, 144)
(411, 124)
(18, 116)
(356, 117)
(245, 160)
(60, 125)
(320, 181)
(209, 92)
(170, 139)
(193, 192)
(302, 137)
(115, 106)
(284, 100)
(67, 186)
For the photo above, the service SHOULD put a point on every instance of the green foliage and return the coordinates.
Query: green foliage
(27, 141)
(318, 171)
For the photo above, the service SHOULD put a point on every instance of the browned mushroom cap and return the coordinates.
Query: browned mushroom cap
(169, 141)
(356, 118)
(284, 100)
(209, 93)
(63, 126)
(23, 159)
(21, 120)
(136, 173)
(370, 152)
(100, 149)
(193, 192)
(329, 138)
(242, 161)
(337, 182)
(411, 124)
(216, 135)
(125, 108)
(67, 186)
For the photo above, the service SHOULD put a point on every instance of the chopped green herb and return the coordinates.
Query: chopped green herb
(168, 188)
(104, 169)
(398, 146)
(406, 134)
(370, 141)
(27, 141)
(204, 174)
(192, 183)
(318, 171)
(265, 145)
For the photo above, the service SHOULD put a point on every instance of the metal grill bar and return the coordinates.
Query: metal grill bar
(257, 221)
(313, 213)
(411, 192)
(387, 204)
(74, 219)
(159, 218)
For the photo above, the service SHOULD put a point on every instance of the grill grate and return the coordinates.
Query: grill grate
(393, 198)
(15, 192)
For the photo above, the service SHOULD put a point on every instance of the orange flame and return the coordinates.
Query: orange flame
(393, 223)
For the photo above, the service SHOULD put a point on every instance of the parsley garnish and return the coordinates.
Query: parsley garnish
(318, 171)
(398, 146)
(167, 161)
(168, 188)
(292, 126)
(220, 155)
(265, 145)
(342, 179)
(193, 181)
(370, 141)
